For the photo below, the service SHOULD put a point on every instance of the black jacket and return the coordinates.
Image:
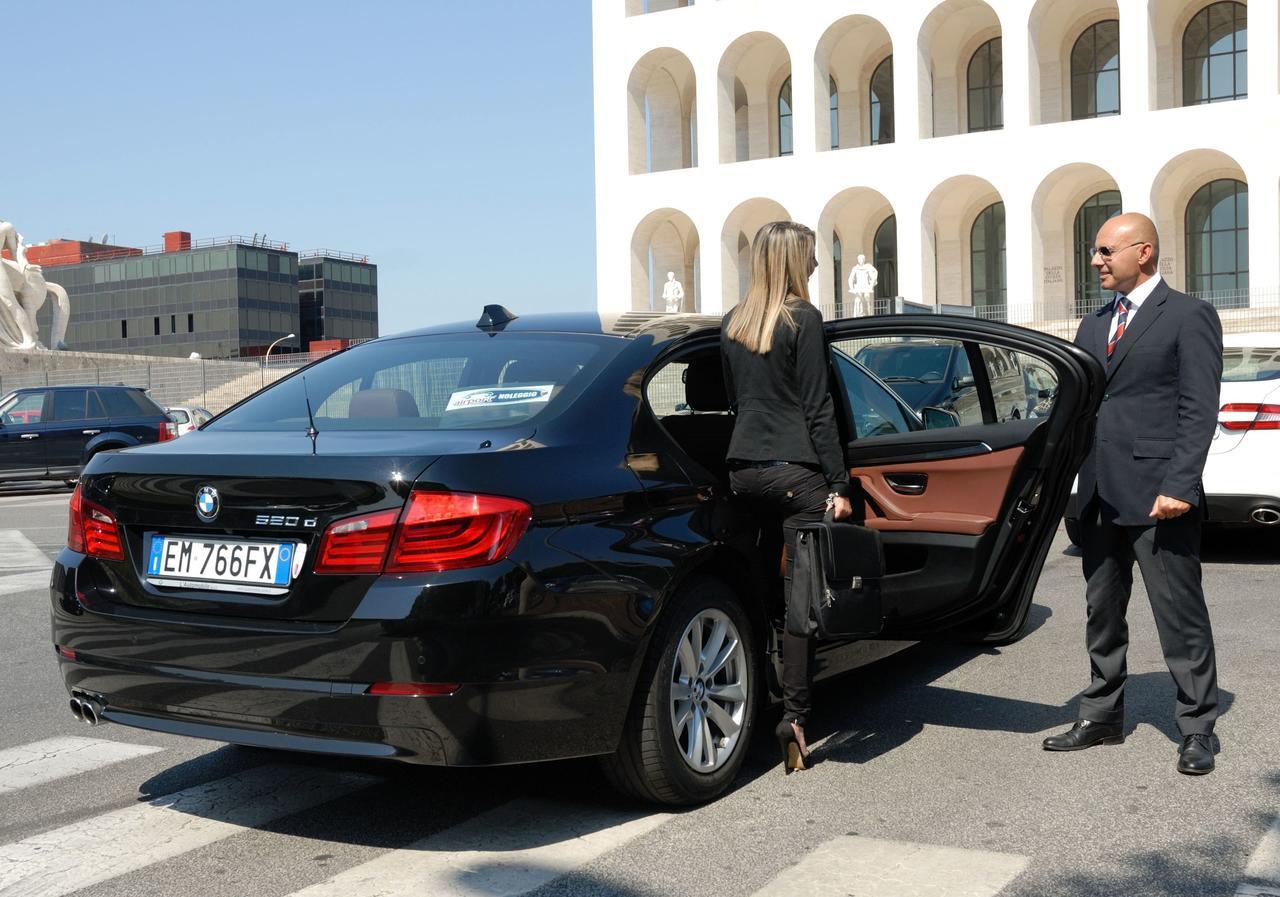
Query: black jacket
(783, 400)
(1160, 409)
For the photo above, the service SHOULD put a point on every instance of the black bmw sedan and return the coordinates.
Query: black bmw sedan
(513, 541)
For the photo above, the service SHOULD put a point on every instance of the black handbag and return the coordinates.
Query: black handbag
(836, 576)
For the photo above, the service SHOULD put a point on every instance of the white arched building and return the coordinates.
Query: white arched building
(969, 148)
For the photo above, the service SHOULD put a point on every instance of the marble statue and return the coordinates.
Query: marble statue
(672, 293)
(23, 292)
(862, 284)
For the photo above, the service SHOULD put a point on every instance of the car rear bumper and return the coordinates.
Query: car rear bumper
(1222, 509)
(304, 690)
(1241, 509)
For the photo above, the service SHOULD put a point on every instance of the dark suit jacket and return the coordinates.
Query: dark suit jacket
(1160, 408)
(782, 401)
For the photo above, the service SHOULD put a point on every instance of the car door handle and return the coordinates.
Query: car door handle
(30, 435)
(90, 432)
(907, 483)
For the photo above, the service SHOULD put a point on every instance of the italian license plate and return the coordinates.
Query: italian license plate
(212, 563)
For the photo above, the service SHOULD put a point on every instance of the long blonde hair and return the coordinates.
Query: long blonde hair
(780, 257)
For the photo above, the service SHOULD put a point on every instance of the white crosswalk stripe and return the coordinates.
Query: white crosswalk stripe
(871, 867)
(17, 552)
(111, 844)
(30, 581)
(1263, 869)
(505, 852)
(56, 758)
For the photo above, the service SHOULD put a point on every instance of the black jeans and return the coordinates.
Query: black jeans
(797, 494)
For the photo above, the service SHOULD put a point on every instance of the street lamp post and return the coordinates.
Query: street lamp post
(266, 358)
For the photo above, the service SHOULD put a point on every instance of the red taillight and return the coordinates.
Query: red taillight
(75, 523)
(65, 652)
(168, 430)
(92, 530)
(435, 531)
(412, 689)
(1249, 416)
(357, 544)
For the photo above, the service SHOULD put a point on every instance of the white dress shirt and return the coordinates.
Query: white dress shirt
(1136, 298)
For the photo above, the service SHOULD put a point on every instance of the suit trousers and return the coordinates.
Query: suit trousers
(1168, 554)
(798, 494)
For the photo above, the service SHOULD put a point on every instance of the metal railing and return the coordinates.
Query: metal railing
(128, 252)
(338, 254)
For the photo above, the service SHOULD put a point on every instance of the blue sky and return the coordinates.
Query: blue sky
(431, 135)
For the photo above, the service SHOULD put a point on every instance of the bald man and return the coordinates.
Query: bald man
(1140, 496)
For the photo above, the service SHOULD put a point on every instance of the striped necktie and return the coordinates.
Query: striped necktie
(1122, 318)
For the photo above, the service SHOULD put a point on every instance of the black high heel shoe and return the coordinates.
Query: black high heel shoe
(795, 755)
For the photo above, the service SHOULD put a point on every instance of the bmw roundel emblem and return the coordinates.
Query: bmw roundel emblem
(207, 503)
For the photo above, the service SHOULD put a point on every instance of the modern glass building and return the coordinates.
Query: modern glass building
(223, 298)
(338, 296)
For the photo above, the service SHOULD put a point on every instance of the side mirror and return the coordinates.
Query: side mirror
(936, 418)
(962, 382)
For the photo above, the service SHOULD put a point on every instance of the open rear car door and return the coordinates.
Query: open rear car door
(962, 438)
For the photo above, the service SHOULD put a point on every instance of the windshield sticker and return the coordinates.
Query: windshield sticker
(492, 396)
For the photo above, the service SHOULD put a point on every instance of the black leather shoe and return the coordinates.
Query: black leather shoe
(1085, 734)
(1196, 754)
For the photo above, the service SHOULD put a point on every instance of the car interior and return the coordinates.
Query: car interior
(935, 492)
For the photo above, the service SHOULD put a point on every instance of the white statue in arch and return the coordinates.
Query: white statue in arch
(23, 292)
(672, 293)
(862, 284)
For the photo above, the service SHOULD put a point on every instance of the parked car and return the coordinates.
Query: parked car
(189, 418)
(51, 432)
(1241, 476)
(940, 373)
(502, 542)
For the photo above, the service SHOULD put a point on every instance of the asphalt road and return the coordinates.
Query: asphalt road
(931, 781)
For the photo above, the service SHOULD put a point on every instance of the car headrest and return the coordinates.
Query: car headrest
(540, 370)
(704, 385)
(383, 403)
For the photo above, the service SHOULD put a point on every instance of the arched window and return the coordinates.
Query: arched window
(835, 115)
(986, 87)
(882, 103)
(1095, 71)
(1090, 296)
(837, 263)
(785, 144)
(986, 262)
(1214, 55)
(1218, 240)
(884, 255)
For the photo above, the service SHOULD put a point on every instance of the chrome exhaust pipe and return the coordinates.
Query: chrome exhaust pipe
(1265, 516)
(87, 710)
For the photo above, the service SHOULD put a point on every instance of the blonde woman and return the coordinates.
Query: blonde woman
(785, 451)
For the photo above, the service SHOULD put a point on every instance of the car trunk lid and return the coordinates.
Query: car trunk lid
(277, 491)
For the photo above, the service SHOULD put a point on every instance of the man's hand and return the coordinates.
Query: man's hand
(1167, 508)
(841, 508)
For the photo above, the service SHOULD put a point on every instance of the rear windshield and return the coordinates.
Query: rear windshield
(1250, 363)
(178, 416)
(446, 382)
(123, 403)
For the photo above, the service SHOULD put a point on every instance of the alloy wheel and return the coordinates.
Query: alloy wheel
(709, 691)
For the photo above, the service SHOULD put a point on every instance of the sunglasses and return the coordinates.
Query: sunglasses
(1108, 251)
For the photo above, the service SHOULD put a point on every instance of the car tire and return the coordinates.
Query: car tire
(656, 760)
(1073, 529)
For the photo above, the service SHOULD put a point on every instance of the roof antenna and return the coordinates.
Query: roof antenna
(311, 418)
(495, 317)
